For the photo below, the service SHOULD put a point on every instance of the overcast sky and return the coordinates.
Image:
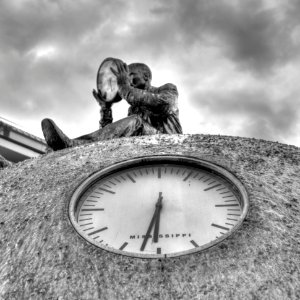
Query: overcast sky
(236, 63)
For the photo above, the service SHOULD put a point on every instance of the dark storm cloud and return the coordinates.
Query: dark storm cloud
(25, 24)
(254, 37)
(255, 112)
(34, 85)
(192, 39)
(257, 39)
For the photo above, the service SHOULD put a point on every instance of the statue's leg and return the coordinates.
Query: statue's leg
(131, 126)
(54, 137)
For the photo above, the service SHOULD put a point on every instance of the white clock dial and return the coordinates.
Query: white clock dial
(158, 206)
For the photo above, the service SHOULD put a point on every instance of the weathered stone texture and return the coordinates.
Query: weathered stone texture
(42, 257)
(4, 162)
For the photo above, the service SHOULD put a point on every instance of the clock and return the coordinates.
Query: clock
(158, 206)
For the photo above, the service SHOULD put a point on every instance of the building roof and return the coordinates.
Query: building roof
(17, 144)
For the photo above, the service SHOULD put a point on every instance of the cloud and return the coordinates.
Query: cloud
(25, 24)
(251, 113)
(224, 50)
(255, 37)
(34, 82)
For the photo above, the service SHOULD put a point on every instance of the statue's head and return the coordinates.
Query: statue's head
(140, 75)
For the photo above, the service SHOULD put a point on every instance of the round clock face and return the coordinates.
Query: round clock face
(158, 206)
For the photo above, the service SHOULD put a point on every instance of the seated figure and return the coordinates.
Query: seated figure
(152, 110)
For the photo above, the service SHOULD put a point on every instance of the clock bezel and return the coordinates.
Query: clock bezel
(237, 186)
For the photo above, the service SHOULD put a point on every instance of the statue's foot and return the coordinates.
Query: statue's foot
(54, 137)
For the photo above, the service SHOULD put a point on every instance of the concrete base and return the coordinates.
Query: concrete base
(42, 257)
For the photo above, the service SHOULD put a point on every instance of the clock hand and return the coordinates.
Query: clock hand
(157, 208)
(156, 227)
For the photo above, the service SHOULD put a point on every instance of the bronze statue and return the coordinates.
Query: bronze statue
(152, 110)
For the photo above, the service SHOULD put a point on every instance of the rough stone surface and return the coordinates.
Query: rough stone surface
(42, 257)
(4, 162)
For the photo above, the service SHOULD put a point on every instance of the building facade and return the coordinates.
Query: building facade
(17, 145)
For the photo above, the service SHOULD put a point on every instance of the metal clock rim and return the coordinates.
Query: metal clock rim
(160, 158)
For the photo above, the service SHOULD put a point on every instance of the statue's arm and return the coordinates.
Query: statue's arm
(105, 117)
(105, 110)
(164, 97)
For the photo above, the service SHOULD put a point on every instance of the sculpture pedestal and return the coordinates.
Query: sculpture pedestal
(43, 257)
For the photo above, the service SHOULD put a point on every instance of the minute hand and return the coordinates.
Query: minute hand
(156, 227)
(156, 212)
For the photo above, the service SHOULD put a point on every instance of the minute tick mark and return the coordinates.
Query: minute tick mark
(187, 177)
(219, 226)
(130, 177)
(106, 190)
(212, 187)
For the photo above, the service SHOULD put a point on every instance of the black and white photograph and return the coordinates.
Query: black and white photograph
(149, 149)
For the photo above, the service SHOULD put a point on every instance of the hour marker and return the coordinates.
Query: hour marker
(92, 209)
(158, 251)
(130, 177)
(159, 173)
(194, 243)
(219, 226)
(186, 178)
(106, 190)
(123, 246)
(226, 205)
(98, 230)
(212, 187)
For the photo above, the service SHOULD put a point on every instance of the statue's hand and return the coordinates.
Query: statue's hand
(122, 74)
(103, 104)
